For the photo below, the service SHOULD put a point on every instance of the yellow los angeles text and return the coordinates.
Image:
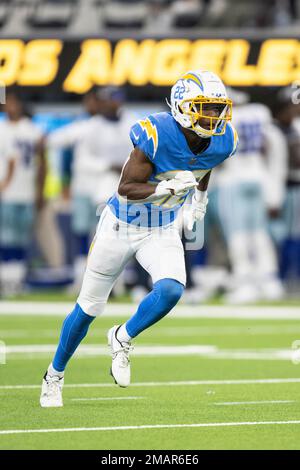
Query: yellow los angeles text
(155, 62)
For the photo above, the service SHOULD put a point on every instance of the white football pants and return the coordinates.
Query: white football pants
(159, 251)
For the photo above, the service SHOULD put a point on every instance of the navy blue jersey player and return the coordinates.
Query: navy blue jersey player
(172, 158)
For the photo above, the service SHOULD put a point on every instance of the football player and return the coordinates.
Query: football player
(174, 153)
(247, 188)
(24, 193)
(287, 114)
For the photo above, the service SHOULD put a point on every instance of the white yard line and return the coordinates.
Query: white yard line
(34, 351)
(187, 331)
(107, 398)
(4, 334)
(262, 402)
(181, 311)
(35, 308)
(255, 355)
(148, 426)
(166, 384)
(183, 331)
(95, 350)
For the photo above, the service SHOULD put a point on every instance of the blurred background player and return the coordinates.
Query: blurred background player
(23, 194)
(247, 189)
(7, 166)
(100, 144)
(287, 115)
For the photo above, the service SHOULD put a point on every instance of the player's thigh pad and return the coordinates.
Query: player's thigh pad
(161, 255)
(107, 258)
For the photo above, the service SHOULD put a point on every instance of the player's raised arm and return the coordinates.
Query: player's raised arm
(41, 173)
(134, 180)
(66, 136)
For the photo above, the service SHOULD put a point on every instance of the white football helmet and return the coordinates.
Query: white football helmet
(194, 96)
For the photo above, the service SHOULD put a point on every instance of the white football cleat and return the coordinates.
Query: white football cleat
(51, 395)
(120, 368)
(244, 294)
(272, 290)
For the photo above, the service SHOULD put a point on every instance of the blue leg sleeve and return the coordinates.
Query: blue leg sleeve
(164, 296)
(74, 329)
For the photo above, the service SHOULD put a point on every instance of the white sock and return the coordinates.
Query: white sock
(51, 371)
(122, 334)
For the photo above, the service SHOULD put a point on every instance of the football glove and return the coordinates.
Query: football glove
(180, 185)
(198, 208)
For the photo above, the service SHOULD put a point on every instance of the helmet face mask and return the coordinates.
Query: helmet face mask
(199, 102)
(208, 116)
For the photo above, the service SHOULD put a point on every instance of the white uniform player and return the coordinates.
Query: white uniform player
(99, 146)
(287, 232)
(25, 136)
(245, 188)
(20, 196)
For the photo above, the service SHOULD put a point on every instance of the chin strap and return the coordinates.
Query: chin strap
(168, 103)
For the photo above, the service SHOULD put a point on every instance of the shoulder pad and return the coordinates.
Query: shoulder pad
(144, 135)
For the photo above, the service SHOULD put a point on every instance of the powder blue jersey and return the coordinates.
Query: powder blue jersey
(161, 139)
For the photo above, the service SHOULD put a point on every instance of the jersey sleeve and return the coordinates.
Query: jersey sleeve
(67, 136)
(144, 135)
(235, 140)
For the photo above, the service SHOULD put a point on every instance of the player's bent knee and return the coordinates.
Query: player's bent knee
(90, 307)
(170, 290)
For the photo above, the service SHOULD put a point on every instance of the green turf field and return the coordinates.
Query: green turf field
(198, 383)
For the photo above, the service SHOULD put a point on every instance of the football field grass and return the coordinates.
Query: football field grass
(197, 383)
